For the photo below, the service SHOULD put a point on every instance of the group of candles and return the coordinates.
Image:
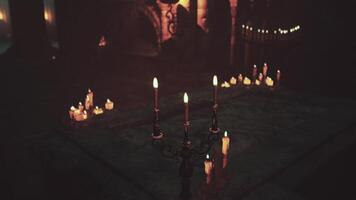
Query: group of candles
(209, 162)
(262, 78)
(82, 112)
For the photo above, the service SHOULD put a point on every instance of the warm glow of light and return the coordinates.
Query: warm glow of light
(254, 66)
(80, 103)
(155, 83)
(89, 90)
(225, 134)
(207, 156)
(2, 17)
(72, 108)
(278, 71)
(47, 16)
(215, 80)
(185, 98)
(108, 101)
(243, 26)
(184, 3)
(233, 81)
(247, 81)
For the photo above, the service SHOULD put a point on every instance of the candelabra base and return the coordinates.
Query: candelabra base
(157, 137)
(214, 131)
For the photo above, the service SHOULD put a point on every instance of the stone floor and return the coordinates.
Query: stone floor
(277, 137)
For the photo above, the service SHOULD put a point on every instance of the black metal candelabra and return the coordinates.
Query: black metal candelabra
(214, 121)
(157, 133)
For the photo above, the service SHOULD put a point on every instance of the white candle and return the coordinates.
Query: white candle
(265, 69)
(186, 108)
(208, 165)
(260, 77)
(87, 103)
(278, 75)
(80, 107)
(98, 111)
(109, 105)
(215, 86)
(240, 78)
(91, 97)
(225, 143)
(269, 82)
(71, 112)
(247, 81)
(233, 81)
(155, 93)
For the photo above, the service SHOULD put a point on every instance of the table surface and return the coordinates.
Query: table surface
(268, 130)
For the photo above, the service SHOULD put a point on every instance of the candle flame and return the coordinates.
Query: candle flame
(207, 156)
(186, 98)
(254, 66)
(278, 71)
(155, 83)
(85, 112)
(265, 64)
(108, 100)
(72, 108)
(215, 80)
(225, 134)
(89, 90)
(80, 103)
(96, 107)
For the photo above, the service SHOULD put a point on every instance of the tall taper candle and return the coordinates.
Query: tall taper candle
(186, 108)
(215, 85)
(254, 73)
(278, 76)
(155, 93)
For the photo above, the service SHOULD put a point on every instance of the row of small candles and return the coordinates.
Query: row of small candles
(262, 78)
(82, 112)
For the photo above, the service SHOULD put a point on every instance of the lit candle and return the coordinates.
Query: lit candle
(1, 16)
(109, 105)
(254, 72)
(225, 143)
(186, 108)
(260, 77)
(71, 112)
(247, 81)
(257, 82)
(85, 115)
(223, 84)
(240, 78)
(155, 92)
(87, 103)
(208, 164)
(269, 82)
(98, 111)
(80, 107)
(227, 85)
(215, 86)
(233, 81)
(78, 116)
(278, 76)
(265, 69)
(91, 97)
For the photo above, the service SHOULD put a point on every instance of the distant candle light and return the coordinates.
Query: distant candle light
(155, 82)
